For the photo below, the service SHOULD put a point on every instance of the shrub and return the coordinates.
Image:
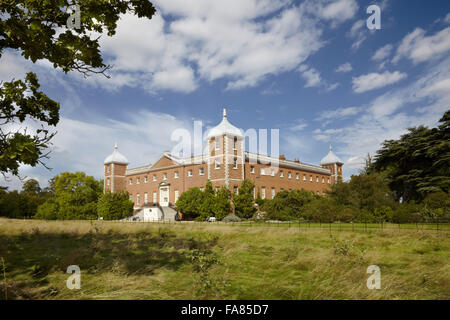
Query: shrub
(244, 200)
(222, 204)
(321, 209)
(287, 205)
(48, 210)
(231, 218)
(114, 206)
(75, 197)
(189, 203)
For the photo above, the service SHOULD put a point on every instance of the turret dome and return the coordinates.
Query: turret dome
(331, 158)
(116, 157)
(225, 128)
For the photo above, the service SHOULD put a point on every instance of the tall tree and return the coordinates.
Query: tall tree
(39, 30)
(419, 162)
(31, 186)
(244, 200)
(75, 197)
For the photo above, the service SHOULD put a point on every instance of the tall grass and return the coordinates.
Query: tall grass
(215, 261)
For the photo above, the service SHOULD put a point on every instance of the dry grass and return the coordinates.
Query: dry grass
(152, 261)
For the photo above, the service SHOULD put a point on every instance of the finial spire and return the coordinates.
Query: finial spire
(115, 146)
(331, 148)
(224, 112)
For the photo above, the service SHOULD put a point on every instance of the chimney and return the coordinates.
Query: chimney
(282, 157)
(297, 160)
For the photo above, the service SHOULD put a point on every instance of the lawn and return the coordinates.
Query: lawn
(216, 261)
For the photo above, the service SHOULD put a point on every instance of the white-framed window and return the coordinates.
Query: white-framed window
(317, 179)
(154, 197)
(131, 181)
(176, 195)
(272, 172)
(297, 176)
(201, 171)
(252, 169)
(328, 180)
(323, 180)
(145, 179)
(235, 143)
(304, 177)
(138, 180)
(263, 193)
(235, 190)
(176, 174)
(107, 182)
(145, 197)
(190, 173)
(165, 176)
(107, 169)
(310, 178)
(235, 163)
(281, 174)
(263, 171)
(217, 164)
(202, 189)
(131, 197)
(217, 143)
(273, 193)
(289, 175)
(154, 177)
(138, 199)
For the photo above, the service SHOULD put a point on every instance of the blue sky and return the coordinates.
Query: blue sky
(311, 69)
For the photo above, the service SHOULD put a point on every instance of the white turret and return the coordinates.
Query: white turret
(225, 128)
(331, 158)
(116, 157)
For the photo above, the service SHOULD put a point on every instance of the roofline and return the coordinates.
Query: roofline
(202, 159)
(289, 163)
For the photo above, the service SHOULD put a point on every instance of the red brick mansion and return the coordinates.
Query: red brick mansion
(226, 163)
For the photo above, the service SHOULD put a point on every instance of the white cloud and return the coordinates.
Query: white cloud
(346, 67)
(359, 33)
(339, 113)
(241, 41)
(335, 11)
(312, 77)
(375, 80)
(447, 18)
(382, 53)
(418, 47)
(12, 66)
(388, 116)
(83, 146)
(299, 126)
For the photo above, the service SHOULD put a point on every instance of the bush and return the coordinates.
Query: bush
(48, 210)
(288, 205)
(75, 197)
(189, 203)
(405, 212)
(231, 218)
(222, 204)
(436, 206)
(321, 209)
(244, 200)
(114, 206)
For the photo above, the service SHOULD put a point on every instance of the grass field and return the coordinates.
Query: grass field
(206, 261)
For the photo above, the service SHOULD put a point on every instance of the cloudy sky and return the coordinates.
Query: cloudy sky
(311, 69)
